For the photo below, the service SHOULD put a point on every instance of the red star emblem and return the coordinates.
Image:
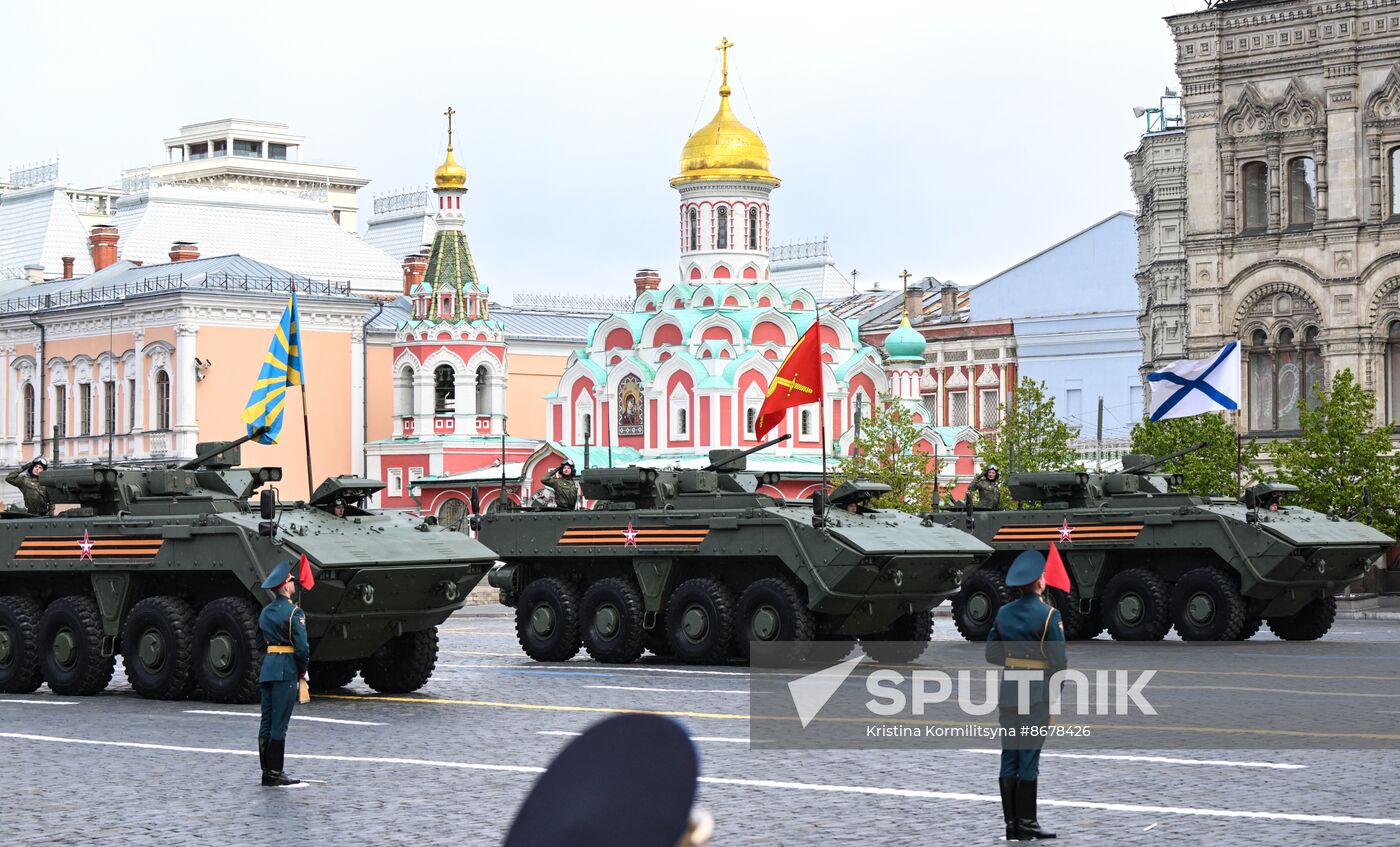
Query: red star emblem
(85, 547)
(629, 536)
(1066, 531)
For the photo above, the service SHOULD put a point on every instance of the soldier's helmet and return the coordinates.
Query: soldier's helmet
(991, 472)
(566, 469)
(41, 462)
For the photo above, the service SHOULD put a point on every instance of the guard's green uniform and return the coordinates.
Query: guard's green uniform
(988, 492)
(282, 630)
(1027, 635)
(565, 489)
(36, 499)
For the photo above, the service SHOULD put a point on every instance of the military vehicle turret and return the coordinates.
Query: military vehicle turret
(161, 565)
(1144, 557)
(696, 564)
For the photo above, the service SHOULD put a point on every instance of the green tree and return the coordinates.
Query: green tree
(1339, 452)
(1030, 436)
(1223, 466)
(885, 453)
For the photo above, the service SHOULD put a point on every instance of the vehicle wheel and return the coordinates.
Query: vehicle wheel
(611, 619)
(1207, 606)
(70, 643)
(904, 642)
(19, 645)
(772, 609)
(976, 604)
(328, 676)
(404, 664)
(1251, 626)
(1079, 626)
(227, 661)
(700, 621)
(158, 648)
(1311, 622)
(1137, 606)
(546, 620)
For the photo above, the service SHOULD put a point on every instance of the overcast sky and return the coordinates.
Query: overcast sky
(954, 139)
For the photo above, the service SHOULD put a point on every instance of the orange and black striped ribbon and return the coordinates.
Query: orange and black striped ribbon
(609, 536)
(1083, 532)
(103, 547)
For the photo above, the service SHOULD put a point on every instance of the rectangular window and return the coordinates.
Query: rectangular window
(277, 151)
(1302, 191)
(220, 148)
(989, 410)
(957, 408)
(199, 151)
(60, 416)
(85, 409)
(395, 482)
(414, 474)
(806, 422)
(1256, 196)
(28, 412)
(109, 407)
(247, 149)
(130, 405)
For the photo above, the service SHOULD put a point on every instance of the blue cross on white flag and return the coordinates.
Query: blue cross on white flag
(1189, 387)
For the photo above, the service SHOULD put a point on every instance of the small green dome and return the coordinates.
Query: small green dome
(905, 344)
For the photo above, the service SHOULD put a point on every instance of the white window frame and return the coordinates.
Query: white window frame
(395, 482)
(804, 422)
(953, 416)
(680, 424)
(989, 416)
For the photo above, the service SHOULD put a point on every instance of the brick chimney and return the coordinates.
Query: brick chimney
(950, 301)
(34, 273)
(913, 300)
(414, 267)
(68, 266)
(646, 280)
(104, 246)
(184, 251)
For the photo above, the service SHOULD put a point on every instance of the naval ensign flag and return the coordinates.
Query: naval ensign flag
(1195, 386)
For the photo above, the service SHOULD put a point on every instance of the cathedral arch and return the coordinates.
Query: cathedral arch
(662, 330)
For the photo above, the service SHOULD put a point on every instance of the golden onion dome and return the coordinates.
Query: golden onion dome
(450, 174)
(725, 149)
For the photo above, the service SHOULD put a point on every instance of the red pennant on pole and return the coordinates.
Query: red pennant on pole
(1055, 574)
(304, 576)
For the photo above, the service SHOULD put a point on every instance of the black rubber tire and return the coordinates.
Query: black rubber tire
(1216, 597)
(90, 671)
(404, 664)
(234, 621)
(1153, 599)
(19, 622)
(904, 642)
(1311, 623)
(710, 604)
(975, 605)
(561, 642)
(330, 676)
(168, 623)
(1252, 623)
(623, 600)
(1079, 626)
(785, 603)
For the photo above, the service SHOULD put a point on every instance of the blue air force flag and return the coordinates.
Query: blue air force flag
(281, 368)
(1189, 387)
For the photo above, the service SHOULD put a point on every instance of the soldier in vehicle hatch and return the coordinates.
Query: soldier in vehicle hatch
(26, 479)
(565, 485)
(987, 487)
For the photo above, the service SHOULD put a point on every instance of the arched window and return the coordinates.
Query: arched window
(681, 421)
(60, 410)
(162, 399)
(444, 390)
(753, 227)
(28, 411)
(722, 228)
(694, 229)
(403, 393)
(1284, 378)
(483, 391)
(1392, 373)
(1302, 191)
(805, 425)
(751, 417)
(1255, 179)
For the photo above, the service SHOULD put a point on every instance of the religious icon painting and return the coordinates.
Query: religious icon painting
(629, 406)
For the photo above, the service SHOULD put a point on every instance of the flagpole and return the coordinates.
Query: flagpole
(821, 398)
(305, 415)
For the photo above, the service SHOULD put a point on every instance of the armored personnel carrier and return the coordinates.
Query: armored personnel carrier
(696, 564)
(162, 566)
(1143, 557)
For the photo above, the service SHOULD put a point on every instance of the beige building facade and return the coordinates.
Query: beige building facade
(1272, 217)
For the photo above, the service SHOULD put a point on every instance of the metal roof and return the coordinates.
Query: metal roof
(40, 226)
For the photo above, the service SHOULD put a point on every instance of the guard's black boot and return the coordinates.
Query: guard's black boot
(267, 779)
(1008, 807)
(276, 754)
(1025, 811)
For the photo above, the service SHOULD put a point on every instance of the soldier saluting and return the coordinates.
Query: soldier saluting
(26, 479)
(282, 631)
(1026, 636)
(987, 486)
(565, 484)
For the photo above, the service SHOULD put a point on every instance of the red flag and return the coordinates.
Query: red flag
(1055, 574)
(304, 577)
(797, 383)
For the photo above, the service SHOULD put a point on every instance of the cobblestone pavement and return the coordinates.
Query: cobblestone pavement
(451, 764)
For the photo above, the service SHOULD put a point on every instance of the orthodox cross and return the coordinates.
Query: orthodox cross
(905, 277)
(723, 48)
(450, 112)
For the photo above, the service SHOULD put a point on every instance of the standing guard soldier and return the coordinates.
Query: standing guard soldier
(26, 479)
(565, 484)
(282, 631)
(1026, 636)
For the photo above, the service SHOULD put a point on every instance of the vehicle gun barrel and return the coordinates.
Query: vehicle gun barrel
(714, 466)
(194, 464)
(1176, 454)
